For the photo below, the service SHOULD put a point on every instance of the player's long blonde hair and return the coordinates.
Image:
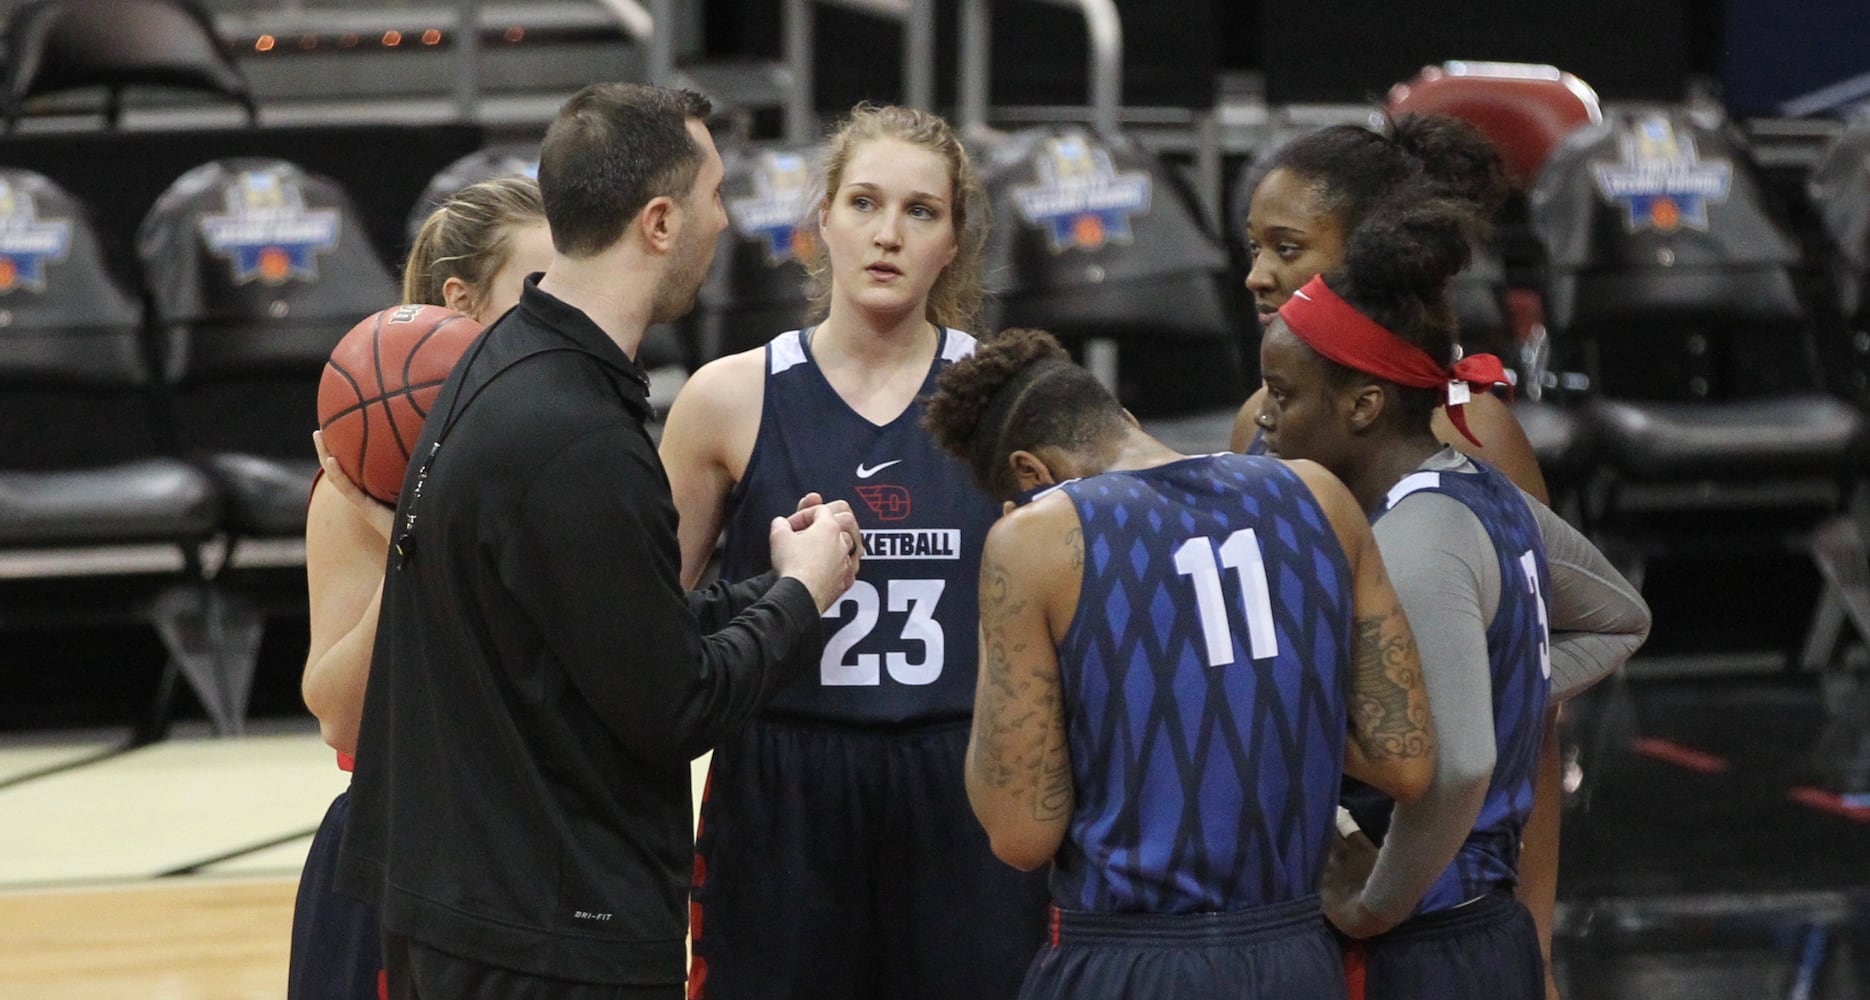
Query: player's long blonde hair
(470, 236)
(955, 299)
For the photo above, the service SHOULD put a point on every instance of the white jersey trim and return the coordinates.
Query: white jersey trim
(785, 351)
(1054, 488)
(959, 344)
(1410, 484)
(788, 349)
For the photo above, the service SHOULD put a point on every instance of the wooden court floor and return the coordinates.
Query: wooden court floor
(162, 873)
(200, 937)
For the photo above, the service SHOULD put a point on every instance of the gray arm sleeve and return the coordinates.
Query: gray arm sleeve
(1598, 619)
(1442, 565)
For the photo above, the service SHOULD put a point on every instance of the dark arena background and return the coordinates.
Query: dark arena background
(1679, 283)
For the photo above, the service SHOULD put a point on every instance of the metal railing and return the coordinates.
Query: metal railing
(917, 18)
(1105, 71)
(467, 20)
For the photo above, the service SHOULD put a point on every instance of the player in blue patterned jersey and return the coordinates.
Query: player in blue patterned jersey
(1354, 365)
(836, 856)
(1314, 192)
(1174, 650)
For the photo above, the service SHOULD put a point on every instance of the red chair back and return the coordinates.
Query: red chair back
(1525, 108)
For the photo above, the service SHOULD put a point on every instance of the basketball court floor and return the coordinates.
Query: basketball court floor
(165, 871)
(1707, 854)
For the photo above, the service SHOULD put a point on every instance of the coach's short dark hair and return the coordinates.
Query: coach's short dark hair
(613, 148)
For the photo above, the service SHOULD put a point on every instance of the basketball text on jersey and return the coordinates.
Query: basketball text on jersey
(921, 543)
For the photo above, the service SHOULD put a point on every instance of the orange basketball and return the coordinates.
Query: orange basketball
(378, 386)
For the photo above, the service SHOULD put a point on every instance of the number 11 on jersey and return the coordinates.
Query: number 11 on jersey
(1195, 559)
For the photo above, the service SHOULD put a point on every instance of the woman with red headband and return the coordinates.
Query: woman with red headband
(1511, 607)
(1315, 192)
(1319, 187)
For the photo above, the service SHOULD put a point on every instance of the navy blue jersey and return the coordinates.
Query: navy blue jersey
(901, 646)
(1519, 655)
(1205, 676)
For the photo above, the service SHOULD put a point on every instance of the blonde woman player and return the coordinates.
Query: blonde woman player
(837, 856)
(470, 256)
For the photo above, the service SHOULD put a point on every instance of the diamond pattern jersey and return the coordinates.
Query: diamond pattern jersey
(1205, 676)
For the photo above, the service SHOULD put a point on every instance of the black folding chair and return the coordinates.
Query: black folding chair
(255, 270)
(1675, 285)
(99, 522)
(56, 46)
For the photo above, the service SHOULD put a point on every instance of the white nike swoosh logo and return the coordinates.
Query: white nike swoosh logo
(866, 471)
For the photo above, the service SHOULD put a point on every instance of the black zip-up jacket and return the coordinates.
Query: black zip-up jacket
(540, 680)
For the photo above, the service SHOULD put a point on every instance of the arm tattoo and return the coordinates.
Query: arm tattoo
(1389, 715)
(993, 726)
(1018, 747)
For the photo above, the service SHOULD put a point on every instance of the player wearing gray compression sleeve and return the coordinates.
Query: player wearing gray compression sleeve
(1598, 619)
(1447, 574)
(1442, 565)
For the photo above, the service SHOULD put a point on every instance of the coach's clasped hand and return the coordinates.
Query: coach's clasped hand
(820, 545)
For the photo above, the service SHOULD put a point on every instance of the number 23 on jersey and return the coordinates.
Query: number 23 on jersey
(921, 634)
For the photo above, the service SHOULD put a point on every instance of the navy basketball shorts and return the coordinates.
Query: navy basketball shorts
(337, 950)
(417, 971)
(1487, 948)
(1285, 951)
(846, 863)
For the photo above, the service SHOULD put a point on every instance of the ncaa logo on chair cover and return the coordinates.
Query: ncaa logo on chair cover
(267, 232)
(27, 242)
(1662, 183)
(1080, 200)
(775, 213)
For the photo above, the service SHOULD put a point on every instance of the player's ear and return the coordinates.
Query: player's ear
(1364, 404)
(458, 296)
(1029, 471)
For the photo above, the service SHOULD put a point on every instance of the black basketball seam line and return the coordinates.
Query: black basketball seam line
(356, 390)
(409, 359)
(363, 453)
(376, 360)
(363, 403)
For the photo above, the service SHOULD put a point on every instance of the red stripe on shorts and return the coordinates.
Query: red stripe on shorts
(1356, 963)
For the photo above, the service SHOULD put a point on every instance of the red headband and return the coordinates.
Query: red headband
(1335, 329)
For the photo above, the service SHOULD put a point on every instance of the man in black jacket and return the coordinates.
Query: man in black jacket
(521, 806)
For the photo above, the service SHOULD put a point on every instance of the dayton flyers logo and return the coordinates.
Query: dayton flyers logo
(267, 232)
(775, 214)
(1080, 200)
(888, 503)
(27, 242)
(1662, 183)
